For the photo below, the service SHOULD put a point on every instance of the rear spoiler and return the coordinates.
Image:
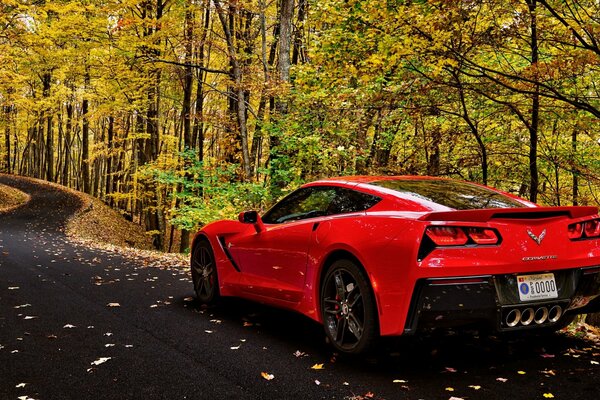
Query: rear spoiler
(487, 214)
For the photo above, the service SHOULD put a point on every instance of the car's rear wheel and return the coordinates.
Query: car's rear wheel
(348, 308)
(204, 273)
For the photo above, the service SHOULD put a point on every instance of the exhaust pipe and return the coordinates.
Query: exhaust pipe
(555, 313)
(541, 315)
(513, 318)
(527, 316)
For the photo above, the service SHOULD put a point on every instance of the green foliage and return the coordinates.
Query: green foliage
(210, 193)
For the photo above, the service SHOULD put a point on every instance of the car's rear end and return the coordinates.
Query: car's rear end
(510, 268)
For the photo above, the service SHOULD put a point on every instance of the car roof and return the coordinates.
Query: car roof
(357, 179)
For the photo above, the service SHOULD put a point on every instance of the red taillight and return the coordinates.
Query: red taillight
(582, 230)
(483, 235)
(447, 236)
(592, 228)
(575, 231)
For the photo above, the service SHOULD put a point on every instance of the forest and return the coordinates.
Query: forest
(181, 112)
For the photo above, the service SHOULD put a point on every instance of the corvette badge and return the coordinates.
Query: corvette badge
(537, 239)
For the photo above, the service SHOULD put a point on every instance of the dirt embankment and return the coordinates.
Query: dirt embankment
(11, 198)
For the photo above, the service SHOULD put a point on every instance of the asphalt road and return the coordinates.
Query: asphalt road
(63, 337)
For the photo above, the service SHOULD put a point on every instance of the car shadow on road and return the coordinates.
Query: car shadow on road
(423, 353)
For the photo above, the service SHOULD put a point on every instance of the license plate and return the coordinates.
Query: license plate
(536, 287)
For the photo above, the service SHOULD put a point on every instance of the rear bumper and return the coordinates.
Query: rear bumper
(493, 301)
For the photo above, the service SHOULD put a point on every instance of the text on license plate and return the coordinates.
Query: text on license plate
(536, 287)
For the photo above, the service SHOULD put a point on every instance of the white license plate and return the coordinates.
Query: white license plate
(536, 287)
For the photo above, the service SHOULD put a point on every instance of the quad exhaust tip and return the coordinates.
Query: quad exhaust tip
(529, 315)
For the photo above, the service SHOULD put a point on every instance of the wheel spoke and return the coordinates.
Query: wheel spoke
(354, 326)
(357, 297)
(200, 288)
(334, 307)
(341, 331)
(208, 284)
(339, 285)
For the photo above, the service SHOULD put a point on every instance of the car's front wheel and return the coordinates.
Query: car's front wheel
(204, 273)
(348, 308)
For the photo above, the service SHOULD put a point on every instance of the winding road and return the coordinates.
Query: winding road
(81, 323)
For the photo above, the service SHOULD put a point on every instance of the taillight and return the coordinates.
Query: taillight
(483, 235)
(582, 230)
(447, 235)
(592, 228)
(575, 231)
(459, 236)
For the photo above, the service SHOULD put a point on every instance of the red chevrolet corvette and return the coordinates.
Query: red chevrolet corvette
(383, 256)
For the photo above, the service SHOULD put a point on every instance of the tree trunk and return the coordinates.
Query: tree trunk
(186, 111)
(575, 170)
(535, 107)
(85, 139)
(110, 133)
(7, 115)
(67, 146)
(239, 94)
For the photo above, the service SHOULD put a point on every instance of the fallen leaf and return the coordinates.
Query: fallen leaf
(208, 331)
(30, 317)
(548, 395)
(594, 362)
(547, 355)
(521, 372)
(101, 360)
(448, 369)
(455, 398)
(21, 385)
(346, 384)
(236, 347)
(113, 305)
(501, 379)
(109, 345)
(317, 382)
(317, 366)
(475, 387)
(548, 372)
(369, 395)
(449, 389)
(69, 326)
(399, 381)
(246, 324)
(267, 376)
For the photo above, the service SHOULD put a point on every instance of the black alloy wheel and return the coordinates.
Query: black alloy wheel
(348, 308)
(204, 273)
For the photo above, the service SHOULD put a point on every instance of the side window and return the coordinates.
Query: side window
(317, 202)
(348, 201)
(303, 203)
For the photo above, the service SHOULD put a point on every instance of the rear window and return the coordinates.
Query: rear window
(453, 194)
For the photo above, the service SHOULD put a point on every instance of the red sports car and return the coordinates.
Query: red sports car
(384, 256)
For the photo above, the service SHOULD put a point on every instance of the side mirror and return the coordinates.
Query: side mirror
(252, 217)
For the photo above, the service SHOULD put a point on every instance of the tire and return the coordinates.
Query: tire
(204, 273)
(348, 308)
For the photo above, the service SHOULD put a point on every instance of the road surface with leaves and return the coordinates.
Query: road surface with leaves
(82, 323)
